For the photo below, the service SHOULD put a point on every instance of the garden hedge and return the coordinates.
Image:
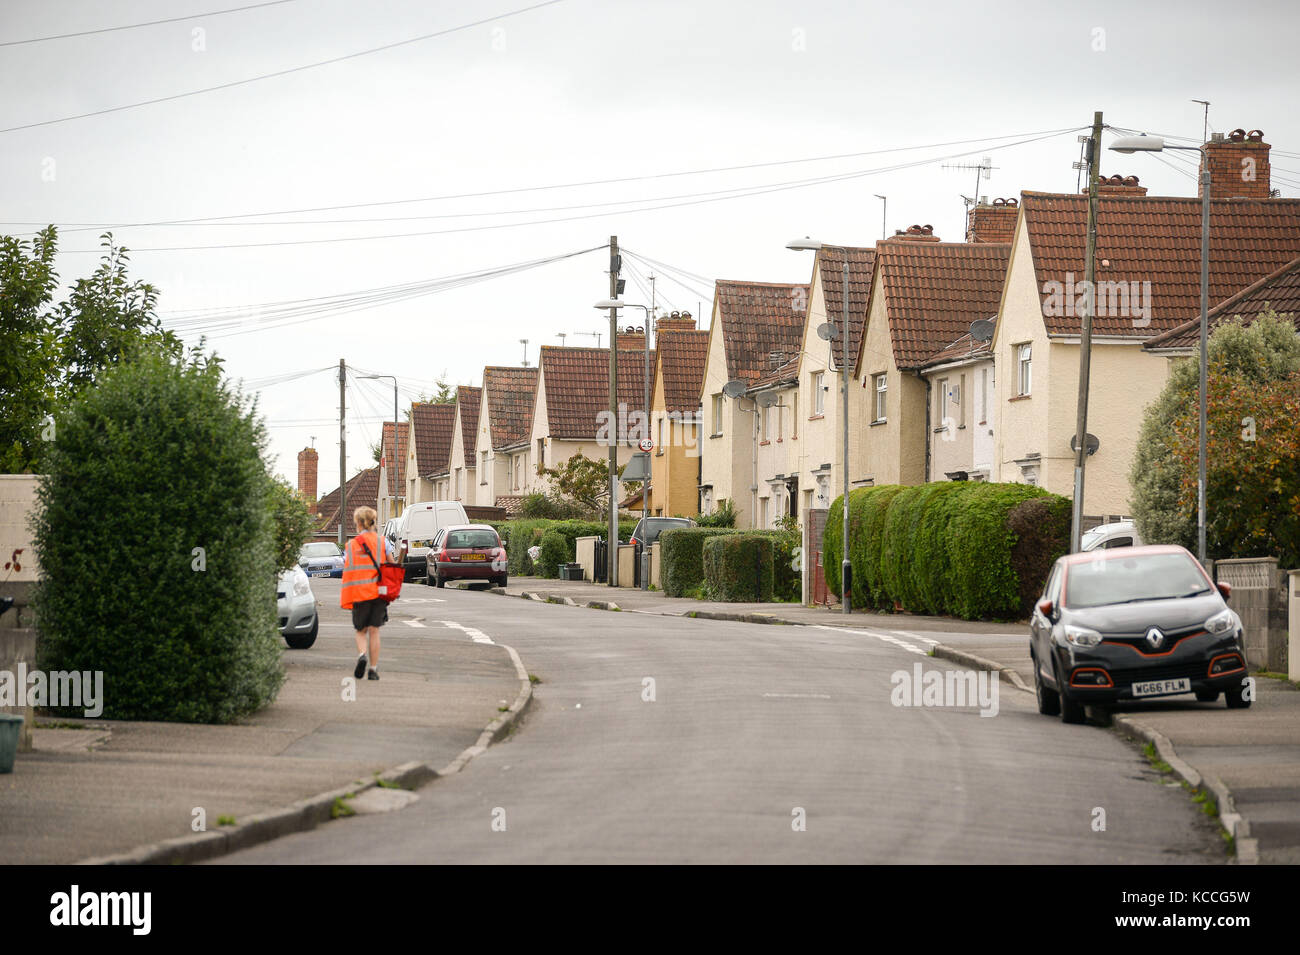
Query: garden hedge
(681, 557)
(739, 567)
(519, 535)
(554, 552)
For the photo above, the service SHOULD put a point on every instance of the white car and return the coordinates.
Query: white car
(296, 607)
(1106, 536)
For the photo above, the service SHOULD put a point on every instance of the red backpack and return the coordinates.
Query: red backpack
(391, 576)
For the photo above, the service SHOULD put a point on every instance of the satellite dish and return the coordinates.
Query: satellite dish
(1090, 442)
(981, 330)
(827, 332)
(766, 399)
(735, 388)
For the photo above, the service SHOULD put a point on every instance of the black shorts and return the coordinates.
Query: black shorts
(369, 613)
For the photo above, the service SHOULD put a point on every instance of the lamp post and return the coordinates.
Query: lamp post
(806, 244)
(613, 303)
(1155, 144)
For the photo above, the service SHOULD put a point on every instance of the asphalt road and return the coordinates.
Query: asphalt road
(752, 729)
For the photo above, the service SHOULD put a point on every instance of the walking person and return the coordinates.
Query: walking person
(360, 592)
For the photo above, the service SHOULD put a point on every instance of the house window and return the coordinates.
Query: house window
(482, 470)
(882, 392)
(458, 484)
(717, 414)
(941, 405)
(819, 392)
(794, 422)
(1025, 363)
(762, 510)
(659, 444)
(767, 424)
(541, 453)
(984, 396)
(958, 399)
(780, 421)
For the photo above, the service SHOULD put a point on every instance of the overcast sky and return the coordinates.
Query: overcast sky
(567, 93)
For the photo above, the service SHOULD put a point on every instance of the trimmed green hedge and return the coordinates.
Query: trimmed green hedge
(738, 567)
(519, 535)
(965, 549)
(681, 557)
(554, 552)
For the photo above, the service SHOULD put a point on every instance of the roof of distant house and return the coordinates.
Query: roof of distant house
(759, 321)
(831, 263)
(395, 459)
(1279, 292)
(576, 382)
(963, 349)
(510, 393)
(934, 291)
(432, 424)
(363, 491)
(1157, 240)
(682, 356)
(468, 399)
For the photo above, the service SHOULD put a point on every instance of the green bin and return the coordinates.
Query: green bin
(11, 727)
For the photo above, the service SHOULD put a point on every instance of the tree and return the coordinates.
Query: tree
(53, 352)
(446, 393)
(583, 482)
(291, 520)
(1249, 358)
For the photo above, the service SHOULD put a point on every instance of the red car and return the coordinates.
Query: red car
(467, 552)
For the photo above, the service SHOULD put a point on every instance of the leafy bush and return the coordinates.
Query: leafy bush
(292, 521)
(724, 515)
(866, 552)
(554, 552)
(901, 521)
(180, 633)
(980, 543)
(930, 561)
(681, 557)
(787, 578)
(1042, 529)
(738, 567)
(548, 507)
(519, 535)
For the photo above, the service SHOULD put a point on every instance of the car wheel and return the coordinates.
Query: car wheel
(501, 582)
(1072, 711)
(1235, 696)
(302, 641)
(438, 581)
(1049, 701)
(1207, 696)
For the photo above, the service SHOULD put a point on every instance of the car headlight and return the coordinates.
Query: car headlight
(301, 587)
(1222, 622)
(1081, 636)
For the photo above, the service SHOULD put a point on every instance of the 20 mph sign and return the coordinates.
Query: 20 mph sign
(646, 445)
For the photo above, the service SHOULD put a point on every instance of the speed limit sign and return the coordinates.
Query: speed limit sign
(646, 445)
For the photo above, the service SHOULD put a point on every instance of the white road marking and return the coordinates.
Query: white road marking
(917, 636)
(413, 623)
(799, 696)
(422, 600)
(478, 636)
(879, 635)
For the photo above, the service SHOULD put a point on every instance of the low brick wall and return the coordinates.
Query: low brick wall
(1260, 598)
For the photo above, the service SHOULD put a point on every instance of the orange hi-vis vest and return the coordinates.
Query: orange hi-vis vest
(360, 574)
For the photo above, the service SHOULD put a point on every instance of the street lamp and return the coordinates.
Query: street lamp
(813, 245)
(1155, 144)
(645, 486)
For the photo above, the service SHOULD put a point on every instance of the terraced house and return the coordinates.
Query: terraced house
(462, 464)
(392, 470)
(505, 422)
(681, 352)
(429, 449)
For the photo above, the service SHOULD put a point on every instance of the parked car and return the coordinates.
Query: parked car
(1134, 623)
(321, 559)
(467, 552)
(416, 528)
(296, 607)
(1106, 536)
(648, 529)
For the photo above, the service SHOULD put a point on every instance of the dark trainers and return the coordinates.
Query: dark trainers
(360, 670)
(374, 674)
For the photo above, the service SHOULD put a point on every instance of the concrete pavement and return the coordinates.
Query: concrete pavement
(113, 785)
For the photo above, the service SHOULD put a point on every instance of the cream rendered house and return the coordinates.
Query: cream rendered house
(752, 322)
(504, 426)
(429, 445)
(462, 485)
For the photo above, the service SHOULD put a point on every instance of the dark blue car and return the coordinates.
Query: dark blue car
(321, 559)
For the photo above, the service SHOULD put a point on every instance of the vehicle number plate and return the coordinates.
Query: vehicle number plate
(1162, 687)
(320, 573)
(473, 556)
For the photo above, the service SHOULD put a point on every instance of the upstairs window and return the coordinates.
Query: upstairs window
(1025, 361)
(882, 394)
(819, 392)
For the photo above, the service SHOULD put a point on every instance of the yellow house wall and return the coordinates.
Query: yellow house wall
(674, 466)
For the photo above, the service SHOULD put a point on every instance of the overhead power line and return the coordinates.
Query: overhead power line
(147, 23)
(285, 72)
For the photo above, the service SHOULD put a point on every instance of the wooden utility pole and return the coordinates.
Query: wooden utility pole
(611, 552)
(343, 454)
(1085, 338)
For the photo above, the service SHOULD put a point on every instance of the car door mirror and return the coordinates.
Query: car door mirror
(1225, 589)
(1046, 607)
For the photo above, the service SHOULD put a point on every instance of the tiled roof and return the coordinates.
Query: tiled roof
(1157, 240)
(831, 263)
(468, 399)
(363, 490)
(1279, 291)
(433, 425)
(759, 319)
(934, 290)
(784, 374)
(577, 387)
(395, 464)
(682, 356)
(510, 403)
(512, 504)
(962, 348)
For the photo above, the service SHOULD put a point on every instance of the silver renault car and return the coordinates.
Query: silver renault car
(296, 608)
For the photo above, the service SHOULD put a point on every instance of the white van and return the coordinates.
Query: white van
(1106, 536)
(416, 527)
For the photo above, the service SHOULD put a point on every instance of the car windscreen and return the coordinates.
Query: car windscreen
(653, 528)
(1095, 583)
(471, 538)
(322, 549)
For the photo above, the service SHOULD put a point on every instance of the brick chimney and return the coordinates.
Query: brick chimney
(992, 223)
(631, 339)
(1119, 186)
(307, 458)
(677, 322)
(1239, 165)
(914, 233)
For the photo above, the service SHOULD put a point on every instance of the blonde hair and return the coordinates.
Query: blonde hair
(364, 517)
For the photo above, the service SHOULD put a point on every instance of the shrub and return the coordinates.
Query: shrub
(554, 552)
(292, 522)
(980, 544)
(931, 558)
(866, 552)
(738, 567)
(180, 635)
(681, 557)
(724, 515)
(787, 582)
(519, 535)
(901, 522)
(1042, 529)
(548, 507)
